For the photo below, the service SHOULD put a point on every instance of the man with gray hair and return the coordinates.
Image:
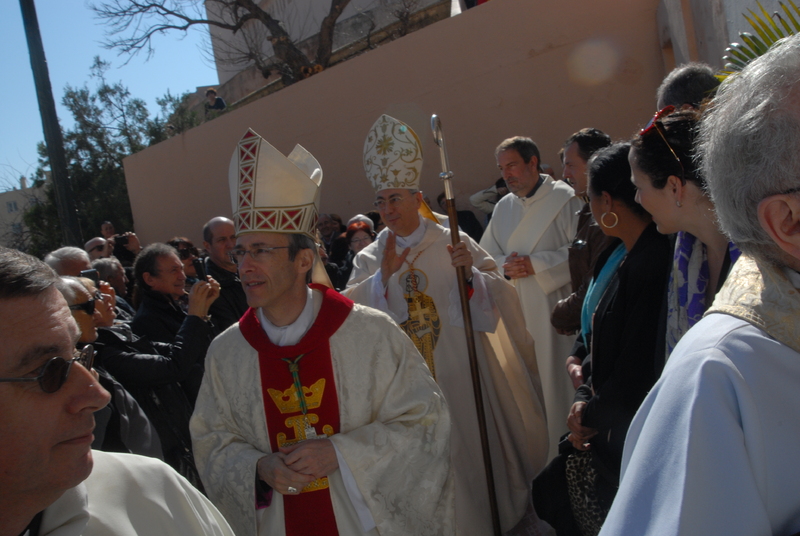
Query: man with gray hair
(219, 238)
(68, 261)
(712, 449)
(111, 271)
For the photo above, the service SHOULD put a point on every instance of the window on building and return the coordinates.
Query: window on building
(11, 206)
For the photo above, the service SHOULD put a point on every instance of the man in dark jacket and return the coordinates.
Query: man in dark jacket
(164, 379)
(219, 238)
(589, 241)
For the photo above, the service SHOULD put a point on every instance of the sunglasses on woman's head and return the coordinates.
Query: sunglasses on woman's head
(653, 124)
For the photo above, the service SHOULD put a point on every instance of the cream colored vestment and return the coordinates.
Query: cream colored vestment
(542, 226)
(394, 432)
(512, 394)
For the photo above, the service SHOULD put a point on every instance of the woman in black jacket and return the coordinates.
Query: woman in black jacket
(619, 330)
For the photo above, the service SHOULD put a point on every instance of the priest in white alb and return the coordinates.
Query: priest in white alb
(529, 237)
(316, 415)
(408, 272)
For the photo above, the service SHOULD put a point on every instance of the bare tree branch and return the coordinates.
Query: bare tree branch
(132, 24)
(325, 48)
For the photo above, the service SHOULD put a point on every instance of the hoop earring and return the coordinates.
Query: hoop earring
(603, 217)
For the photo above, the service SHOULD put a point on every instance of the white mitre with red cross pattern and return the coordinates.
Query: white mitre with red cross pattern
(273, 193)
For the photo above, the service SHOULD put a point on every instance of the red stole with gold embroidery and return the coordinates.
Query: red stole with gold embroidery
(292, 418)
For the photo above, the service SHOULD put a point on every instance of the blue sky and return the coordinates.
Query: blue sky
(72, 37)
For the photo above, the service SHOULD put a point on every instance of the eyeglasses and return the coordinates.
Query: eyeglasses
(257, 254)
(88, 306)
(98, 247)
(393, 201)
(185, 253)
(653, 124)
(56, 370)
(359, 240)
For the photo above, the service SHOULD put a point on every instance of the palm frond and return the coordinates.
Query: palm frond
(767, 30)
(790, 16)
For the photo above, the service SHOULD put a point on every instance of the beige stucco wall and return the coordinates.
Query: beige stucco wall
(505, 68)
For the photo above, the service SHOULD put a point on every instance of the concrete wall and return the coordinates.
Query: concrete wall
(508, 67)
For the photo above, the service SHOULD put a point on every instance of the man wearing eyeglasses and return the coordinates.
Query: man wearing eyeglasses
(51, 481)
(219, 239)
(316, 415)
(409, 273)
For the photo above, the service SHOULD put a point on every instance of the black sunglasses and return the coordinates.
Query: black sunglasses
(87, 307)
(56, 370)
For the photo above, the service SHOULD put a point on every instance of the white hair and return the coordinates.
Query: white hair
(69, 287)
(362, 218)
(748, 144)
(68, 253)
(106, 267)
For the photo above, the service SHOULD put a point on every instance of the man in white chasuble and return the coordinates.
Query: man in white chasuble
(316, 415)
(408, 272)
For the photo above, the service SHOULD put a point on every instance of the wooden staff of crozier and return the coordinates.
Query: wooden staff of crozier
(447, 176)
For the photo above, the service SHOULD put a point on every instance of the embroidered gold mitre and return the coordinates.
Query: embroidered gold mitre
(271, 192)
(392, 155)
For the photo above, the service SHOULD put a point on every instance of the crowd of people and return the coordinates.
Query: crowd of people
(634, 325)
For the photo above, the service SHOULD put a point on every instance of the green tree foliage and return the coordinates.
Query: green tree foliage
(179, 118)
(769, 29)
(110, 124)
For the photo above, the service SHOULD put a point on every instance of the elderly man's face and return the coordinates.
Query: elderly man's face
(118, 280)
(327, 227)
(87, 323)
(223, 240)
(399, 210)
(169, 277)
(46, 437)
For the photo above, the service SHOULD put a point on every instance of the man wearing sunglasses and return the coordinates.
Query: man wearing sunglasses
(99, 248)
(51, 480)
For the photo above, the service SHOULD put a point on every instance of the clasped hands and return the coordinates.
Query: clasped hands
(294, 467)
(518, 266)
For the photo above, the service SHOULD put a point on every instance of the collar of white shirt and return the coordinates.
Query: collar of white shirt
(291, 334)
(414, 238)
